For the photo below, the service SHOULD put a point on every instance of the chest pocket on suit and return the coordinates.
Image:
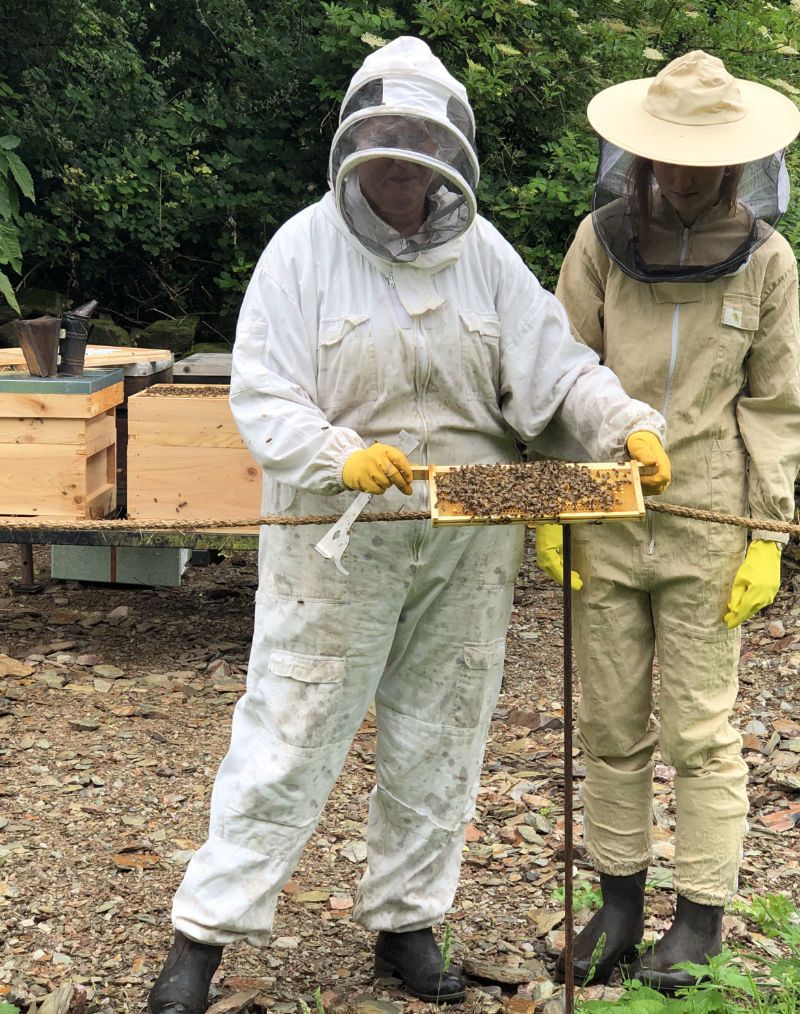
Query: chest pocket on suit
(739, 320)
(480, 355)
(346, 368)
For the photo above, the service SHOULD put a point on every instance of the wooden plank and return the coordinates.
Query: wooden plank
(96, 355)
(101, 432)
(205, 364)
(43, 431)
(192, 483)
(60, 406)
(42, 479)
(100, 470)
(87, 436)
(183, 420)
(101, 502)
(109, 397)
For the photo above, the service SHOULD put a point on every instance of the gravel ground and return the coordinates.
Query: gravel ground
(115, 708)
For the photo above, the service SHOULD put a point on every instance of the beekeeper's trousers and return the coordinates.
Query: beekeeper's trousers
(661, 591)
(419, 626)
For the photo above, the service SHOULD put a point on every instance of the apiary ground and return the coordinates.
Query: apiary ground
(112, 727)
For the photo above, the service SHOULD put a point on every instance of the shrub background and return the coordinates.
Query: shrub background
(167, 141)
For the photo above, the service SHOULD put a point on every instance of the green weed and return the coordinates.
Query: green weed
(304, 1008)
(584, 895)
(447, 954)
(733, 982)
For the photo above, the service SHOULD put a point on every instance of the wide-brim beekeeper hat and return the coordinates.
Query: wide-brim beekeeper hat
(695, 113)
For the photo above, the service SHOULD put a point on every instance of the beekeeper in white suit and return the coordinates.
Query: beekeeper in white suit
(388, 305)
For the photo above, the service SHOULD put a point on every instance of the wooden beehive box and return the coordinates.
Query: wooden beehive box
(186, 459)
(58, 444)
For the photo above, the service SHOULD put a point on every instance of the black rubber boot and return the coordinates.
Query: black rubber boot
(621, 918)
(416, 959)
(182, 987)
(695, 935)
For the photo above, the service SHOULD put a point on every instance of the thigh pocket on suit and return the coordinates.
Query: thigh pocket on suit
(306, 698)
(475, 690)
(729, 487)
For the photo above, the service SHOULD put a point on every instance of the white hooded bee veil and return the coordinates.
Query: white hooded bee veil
(403, 106)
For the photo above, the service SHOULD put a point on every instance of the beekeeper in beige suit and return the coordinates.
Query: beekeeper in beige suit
(680, 283)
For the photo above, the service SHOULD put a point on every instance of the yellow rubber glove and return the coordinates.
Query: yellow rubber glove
(646, 448)
(550, 555)
(756, 583)
(374, 469)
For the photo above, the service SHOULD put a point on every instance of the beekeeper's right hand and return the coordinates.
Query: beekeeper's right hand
(550, 555)
(374, 469)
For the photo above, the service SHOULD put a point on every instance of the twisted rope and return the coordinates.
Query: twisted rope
(132, 525)
(783, 527)
(83, 524)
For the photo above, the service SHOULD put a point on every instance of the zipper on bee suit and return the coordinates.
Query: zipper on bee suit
(422, 372)
(422, 375)
(673, 359)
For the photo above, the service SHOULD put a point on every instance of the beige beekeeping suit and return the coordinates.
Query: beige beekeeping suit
(721, 361)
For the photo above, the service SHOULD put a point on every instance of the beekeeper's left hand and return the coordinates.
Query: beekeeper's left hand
(550, 555)
(756, 583)
(645, 447)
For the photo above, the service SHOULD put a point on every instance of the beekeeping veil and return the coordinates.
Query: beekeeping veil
(693, 113)
(403, 105)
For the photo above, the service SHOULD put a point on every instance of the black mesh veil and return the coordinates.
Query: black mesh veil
(645, 236)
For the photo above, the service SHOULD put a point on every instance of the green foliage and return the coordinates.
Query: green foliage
(447, 946)
(319, 1006)
(775, 915)
(14, 177)
(728, 985)
(447, 954)
(168, 141)
(584, 895)
(8, 1008)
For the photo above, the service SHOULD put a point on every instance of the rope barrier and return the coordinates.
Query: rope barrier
(759, 524)
(84, 524)
(131, 525)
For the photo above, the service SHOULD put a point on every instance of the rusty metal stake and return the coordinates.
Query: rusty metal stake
(569, 966)
(26, 566)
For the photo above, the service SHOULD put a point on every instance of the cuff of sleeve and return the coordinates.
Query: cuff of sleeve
(339, 456)
(765, 536)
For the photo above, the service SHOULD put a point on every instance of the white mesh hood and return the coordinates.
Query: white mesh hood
(653, 246)
(406, 138)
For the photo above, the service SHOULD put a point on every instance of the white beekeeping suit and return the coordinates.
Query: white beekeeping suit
(351, 331)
